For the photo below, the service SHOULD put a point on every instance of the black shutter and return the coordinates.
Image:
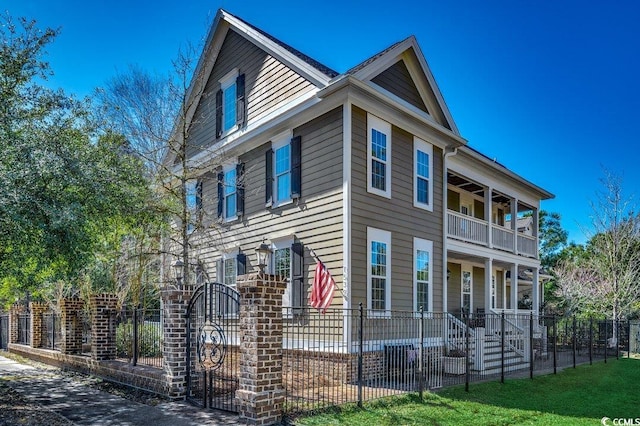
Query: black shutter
(268, 181)
(297, 277)
(240, 189)
(240, 101)
(241, 263)
(220, 193)
(296, 169)
(218, 113)
(199, 198)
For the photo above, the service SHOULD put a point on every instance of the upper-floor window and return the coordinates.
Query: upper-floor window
(283, 170)
(423, 170)
(379, 270)
(231, 191)
(193, 194)
(230, 103)
(378, 156)
(422, 274)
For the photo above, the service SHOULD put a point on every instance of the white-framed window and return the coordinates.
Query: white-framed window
(229, 100)
(282, 169)
(230, 192)
(493, 291)
(422, 274)
(230, 269)
(467, 290)
(193, 196)
(378, 156)
(378, 271)
(281, 265)
(423, 172)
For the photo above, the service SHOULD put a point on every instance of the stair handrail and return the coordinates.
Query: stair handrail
(460, 327)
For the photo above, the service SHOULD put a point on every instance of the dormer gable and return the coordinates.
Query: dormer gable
(402, 73)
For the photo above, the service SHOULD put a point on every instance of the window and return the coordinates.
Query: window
(230, 271)
(193, 196)
(378, 156)
(493, 292)
(466, 291)
(283, 170)
(230, 194)
(229, 267)
(423, 168)
(281, 263)
(379, 270)
(230, 103)
(422, 287)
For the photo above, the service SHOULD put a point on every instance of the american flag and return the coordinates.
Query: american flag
(322, 289)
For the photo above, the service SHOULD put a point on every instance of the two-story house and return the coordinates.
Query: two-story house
(364, 169)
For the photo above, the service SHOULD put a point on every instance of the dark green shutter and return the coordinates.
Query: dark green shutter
(241, 264)
(240, 189)
(218, 113)
(296, 167)
(268, 181)
(220, 193)
(453, 200)
(199, 198)
(478, 207)
(297, 277)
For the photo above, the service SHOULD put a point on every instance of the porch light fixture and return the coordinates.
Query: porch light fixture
(263, 251)
(178, 267)
(448, 274)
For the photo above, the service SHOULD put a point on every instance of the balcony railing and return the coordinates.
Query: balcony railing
(472, 230)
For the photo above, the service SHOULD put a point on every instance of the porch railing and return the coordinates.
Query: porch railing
(527, 245)
(467, 228)
(502, 238)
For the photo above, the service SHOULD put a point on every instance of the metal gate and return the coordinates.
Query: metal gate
(4, 332)
(213, 355)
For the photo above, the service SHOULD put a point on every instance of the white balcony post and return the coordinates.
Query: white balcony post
(488, 191)
(535, 292)
(514, 287)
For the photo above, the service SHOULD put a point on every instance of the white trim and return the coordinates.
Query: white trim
(466, 268)
(422, 245)
(287, 311)
(381, 236)
(427, 148)
(346, 218)
(226, 168)
(227, 255)
(229, 78)
(375, 123)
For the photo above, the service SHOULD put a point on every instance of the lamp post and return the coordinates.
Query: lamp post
(178, 269)
(263, 251)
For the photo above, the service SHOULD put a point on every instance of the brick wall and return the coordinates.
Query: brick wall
(71, 326)
(37, 309)
(103, 328)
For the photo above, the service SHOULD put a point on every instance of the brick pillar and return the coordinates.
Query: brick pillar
(174, 349)
(71, 326)
(13, 322)
(261, 395)
(103, 327)
(37, 309)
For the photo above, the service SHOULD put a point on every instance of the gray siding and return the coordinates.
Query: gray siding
(268, 84)
(316, 220)
(478, 289)
(397, 80)
(396, 215)
(454, 293)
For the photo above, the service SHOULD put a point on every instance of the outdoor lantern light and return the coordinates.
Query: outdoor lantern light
(178, 266)
(448, 274)
(263, 251)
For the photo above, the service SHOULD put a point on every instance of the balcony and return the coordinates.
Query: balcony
(476, 231)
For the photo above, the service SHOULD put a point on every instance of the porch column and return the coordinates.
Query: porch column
(37, 309)
(488, 279)
(514, 287)
(488, 191)
(535, 292)
(71, 326)
(514, 224)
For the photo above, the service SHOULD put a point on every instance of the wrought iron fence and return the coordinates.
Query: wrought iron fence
(24, 328)
(85, 318)
(355, 355)
(139, 336)
(4, 332)
(51, 331)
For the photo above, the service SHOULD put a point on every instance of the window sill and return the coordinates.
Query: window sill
(427, 207)
(374, 191)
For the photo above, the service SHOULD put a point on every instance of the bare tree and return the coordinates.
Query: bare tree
(605, 279)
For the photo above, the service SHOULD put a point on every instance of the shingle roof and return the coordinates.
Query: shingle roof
(317, 65)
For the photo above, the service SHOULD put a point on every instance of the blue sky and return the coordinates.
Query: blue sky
(551, 89)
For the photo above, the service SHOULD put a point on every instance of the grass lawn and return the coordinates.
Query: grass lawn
(581, 396)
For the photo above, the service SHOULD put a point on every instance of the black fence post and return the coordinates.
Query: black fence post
(136, 336)
(502, 348)
(531, 352)
(606, 340)
(555, 345)
(360, 343)
(466, 349)
(590, 340)
(617, 339)
(574, 341)
(421, 363)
